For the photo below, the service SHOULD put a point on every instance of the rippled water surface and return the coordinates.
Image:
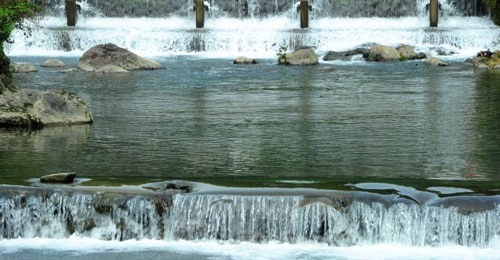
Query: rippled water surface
(204, 118)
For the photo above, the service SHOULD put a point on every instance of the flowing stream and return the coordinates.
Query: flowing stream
(366, 161)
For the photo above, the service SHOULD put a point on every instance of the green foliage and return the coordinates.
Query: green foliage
(282, 54)
(491, 3)
(494, 60)
(12, 14)
(403, 57)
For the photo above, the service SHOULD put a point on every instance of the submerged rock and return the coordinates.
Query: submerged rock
(106, 54)
(33, 108)
(58, 178)
(436, 62)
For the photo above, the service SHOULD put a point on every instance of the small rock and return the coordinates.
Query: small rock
(244, 60)
(181, 186)
(58, 178)
(436, 62)
(53, 63)
(68, 70)
(327, 69)
(421, 56)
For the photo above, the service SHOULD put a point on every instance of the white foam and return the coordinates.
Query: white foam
(245, 250)
(259, 38)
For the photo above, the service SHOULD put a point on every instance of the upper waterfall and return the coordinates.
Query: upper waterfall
(154, 28)
(265, 8)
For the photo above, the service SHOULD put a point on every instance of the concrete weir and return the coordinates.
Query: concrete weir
(304, 13)
(71, 12)
(434, 13)
(195, 211)
(200, 13)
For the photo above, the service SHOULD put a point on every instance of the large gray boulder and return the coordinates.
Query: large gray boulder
(24, 68)
(383, 53)
(300, 57)
(110, 54)
(33, 108)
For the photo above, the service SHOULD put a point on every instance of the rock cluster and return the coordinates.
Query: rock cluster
(487, 60)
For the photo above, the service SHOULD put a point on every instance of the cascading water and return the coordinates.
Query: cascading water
(256, 28)
(264, 8)
(259, 28)
(341, 220)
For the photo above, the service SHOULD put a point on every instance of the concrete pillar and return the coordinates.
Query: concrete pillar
(304, 14)
(200, 14)
(434, 13)
(71, 12)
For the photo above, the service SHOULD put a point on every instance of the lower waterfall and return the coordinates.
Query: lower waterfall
(340, 220)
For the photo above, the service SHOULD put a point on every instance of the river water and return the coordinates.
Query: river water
(204, 119)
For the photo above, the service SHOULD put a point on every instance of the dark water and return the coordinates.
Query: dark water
(207, 119)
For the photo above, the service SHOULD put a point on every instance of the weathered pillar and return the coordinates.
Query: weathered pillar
(71, 12)
(304, 14)
(434, 13)
(200, 14)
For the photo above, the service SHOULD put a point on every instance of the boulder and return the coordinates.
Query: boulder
(244, 60)
(299, 57)
(487, 60)
(345, 55)
(421, 56)
(105, 54)
(383, 54)
(58, 178)
(34, 108)
(327, 69)
(24, 68)
(436, 62)
(53, 63)
(110, 69)
(406, 52)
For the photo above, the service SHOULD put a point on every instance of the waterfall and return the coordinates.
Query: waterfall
(264, 8)
(345, 220)
(258, 28)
